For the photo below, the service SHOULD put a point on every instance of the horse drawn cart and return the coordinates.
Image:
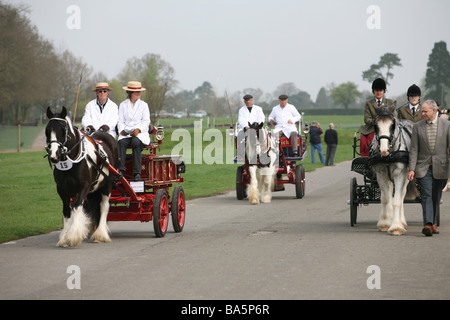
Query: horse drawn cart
(149, 199)
(288, 169)
(369, 191)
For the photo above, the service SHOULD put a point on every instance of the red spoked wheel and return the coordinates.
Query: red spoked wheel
(178, 209)
(160, 213)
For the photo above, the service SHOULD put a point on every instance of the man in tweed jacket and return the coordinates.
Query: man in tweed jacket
(429, 162)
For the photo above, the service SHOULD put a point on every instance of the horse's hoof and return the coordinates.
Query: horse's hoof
(383, 229)
(396, 232)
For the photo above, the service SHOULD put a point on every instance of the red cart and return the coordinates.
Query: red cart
(149, 199)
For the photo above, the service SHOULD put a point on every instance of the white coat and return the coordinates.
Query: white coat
(94, 117)
(244, 117)
(282, 115)
(134, 117)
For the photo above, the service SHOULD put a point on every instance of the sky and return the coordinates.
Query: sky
(238, 44)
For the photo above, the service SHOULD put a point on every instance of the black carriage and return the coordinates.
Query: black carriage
(369, 191)
(290, 171)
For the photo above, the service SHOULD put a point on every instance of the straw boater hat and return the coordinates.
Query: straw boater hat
(102, 85)
(134, 86)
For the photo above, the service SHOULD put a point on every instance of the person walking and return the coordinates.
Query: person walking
(429, 162)
(316, 144)
(248, 113)
(133, 127)
(331, 139)
(284, 116)
(412, 110)
(101, 113)
(370, 112)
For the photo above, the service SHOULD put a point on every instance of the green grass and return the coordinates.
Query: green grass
(30, 205)
(9, 137)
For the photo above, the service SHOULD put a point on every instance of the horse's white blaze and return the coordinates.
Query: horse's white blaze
(53, 146)
(384, 130)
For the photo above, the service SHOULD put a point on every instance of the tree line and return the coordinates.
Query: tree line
(34, 75)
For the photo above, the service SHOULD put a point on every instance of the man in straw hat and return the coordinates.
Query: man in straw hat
(133, 126)
(101, 113)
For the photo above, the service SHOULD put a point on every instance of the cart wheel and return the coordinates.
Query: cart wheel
(353, 205)
(300, 181)
(160, 213)
(240, 186)
(178, 209)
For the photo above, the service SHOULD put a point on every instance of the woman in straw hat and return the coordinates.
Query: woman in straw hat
(133, 126)
(101, 113)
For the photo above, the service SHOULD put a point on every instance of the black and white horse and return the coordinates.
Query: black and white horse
(389, 161)
(80, 169)
(261, 151)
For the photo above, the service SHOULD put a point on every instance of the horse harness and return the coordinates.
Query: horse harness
(102, 157)
(268, 148)
(394, 156)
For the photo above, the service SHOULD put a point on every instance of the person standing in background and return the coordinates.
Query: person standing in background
(331, 139)
(316, 143)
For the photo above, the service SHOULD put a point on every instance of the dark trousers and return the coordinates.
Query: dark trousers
(430, 193)
(331, 151)
(136, 146)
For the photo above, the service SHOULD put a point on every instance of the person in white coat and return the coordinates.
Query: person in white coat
(133, 127)
(284, 116)
(249, 113)
(101, 113)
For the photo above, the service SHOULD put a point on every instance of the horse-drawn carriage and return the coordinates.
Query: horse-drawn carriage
(93, 192)
(286, 168)
(149, 199)
(384, 172)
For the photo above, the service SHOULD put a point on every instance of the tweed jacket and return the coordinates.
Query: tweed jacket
(420, 155)
(404, 112)
(370, 113)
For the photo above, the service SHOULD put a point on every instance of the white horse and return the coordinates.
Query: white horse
(389, 161)
(261, 151)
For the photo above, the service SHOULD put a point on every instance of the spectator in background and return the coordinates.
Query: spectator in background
(101, 113)
(316, 144)
(331, 139)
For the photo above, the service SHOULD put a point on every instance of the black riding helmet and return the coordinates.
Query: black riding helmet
(414, 91)
(378, 84)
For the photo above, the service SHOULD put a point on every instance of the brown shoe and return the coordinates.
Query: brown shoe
(434, 229)
(427, 230)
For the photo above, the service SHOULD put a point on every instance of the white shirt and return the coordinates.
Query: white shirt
(134, 117)
(96, 118)
(245, 116)
(282, 115)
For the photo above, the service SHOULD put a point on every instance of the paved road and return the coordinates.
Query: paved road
(289, 249)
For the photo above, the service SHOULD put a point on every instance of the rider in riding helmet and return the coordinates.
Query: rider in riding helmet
(412, 110)
(378, 100)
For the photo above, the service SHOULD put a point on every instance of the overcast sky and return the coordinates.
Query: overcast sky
(237, 44)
